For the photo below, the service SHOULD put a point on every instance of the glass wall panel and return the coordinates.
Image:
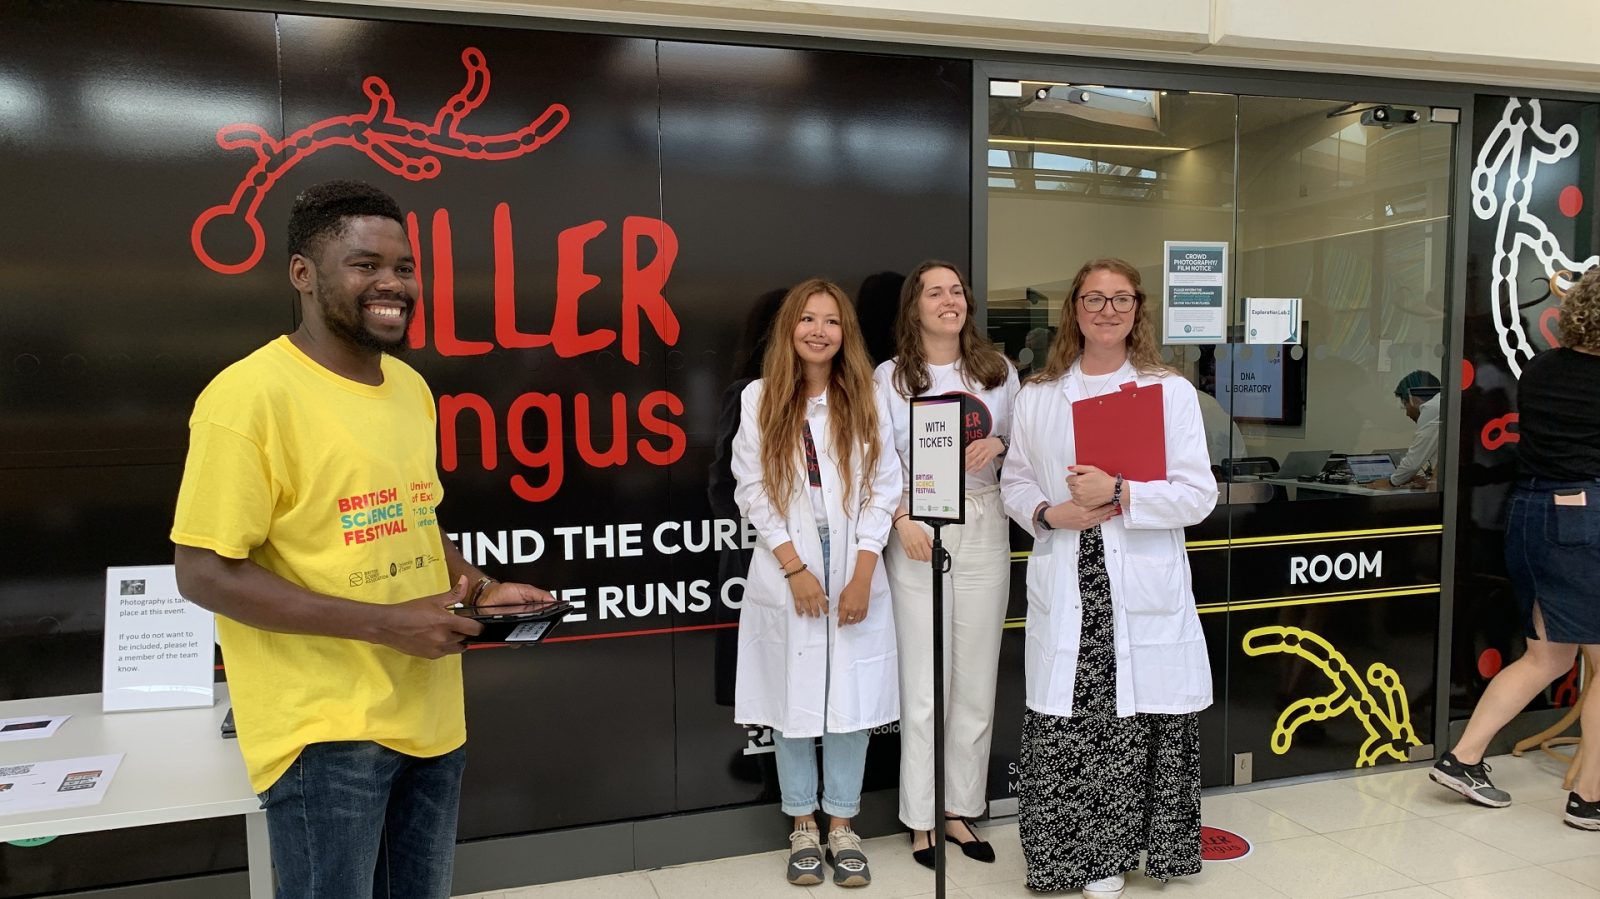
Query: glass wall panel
(1317, 576)
(1351, 217)
(1078, 172)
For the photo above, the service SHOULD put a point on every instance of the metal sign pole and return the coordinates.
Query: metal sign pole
(941, 564)
(938, 497)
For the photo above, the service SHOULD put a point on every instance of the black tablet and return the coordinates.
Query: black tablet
(524, 623)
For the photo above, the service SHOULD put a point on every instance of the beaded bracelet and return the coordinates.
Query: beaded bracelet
(790, 574)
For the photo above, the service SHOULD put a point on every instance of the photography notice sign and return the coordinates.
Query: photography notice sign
(938, 479)
(158, 645)
(1194, 287)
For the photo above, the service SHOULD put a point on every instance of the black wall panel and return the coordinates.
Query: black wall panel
(595, 219)
(843, 166)
(1535, 170)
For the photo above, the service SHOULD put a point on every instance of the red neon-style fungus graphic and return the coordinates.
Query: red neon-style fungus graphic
(1498, 433)
(1489, 663)
(380, 134)
(1570, 201)
(1549, 320)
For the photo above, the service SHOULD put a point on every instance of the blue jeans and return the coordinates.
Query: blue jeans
(844, 763)
(350, 820)
(844, 757)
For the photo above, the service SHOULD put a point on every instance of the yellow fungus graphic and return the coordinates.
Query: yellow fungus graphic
(1387, 721)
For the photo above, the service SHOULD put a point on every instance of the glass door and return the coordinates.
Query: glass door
(1317, 574)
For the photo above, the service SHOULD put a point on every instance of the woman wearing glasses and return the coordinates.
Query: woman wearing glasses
(939, 350)
(1115, 659)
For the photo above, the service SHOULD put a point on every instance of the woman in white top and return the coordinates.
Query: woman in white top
(1116, 662)
(939, 350)
(818, 483)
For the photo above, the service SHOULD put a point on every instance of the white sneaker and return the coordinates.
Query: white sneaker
(1109, 888)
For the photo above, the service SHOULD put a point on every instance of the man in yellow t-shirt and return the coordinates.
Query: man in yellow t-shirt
(308, 521)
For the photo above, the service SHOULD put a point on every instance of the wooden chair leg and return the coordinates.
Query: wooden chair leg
(1543, 738)
(1551, 736)
(1548, 739)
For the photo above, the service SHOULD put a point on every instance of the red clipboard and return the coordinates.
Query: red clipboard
(1123, 433)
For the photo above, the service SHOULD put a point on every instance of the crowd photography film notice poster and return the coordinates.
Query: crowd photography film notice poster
(938, 487)
(1194, 286)
(158, 651)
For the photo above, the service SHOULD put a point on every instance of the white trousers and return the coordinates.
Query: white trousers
(975, 594)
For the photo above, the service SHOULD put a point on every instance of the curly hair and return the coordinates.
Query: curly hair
(1143, 348)
(1580, 313)
(322, 211)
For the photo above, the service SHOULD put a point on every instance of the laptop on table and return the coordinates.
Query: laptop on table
(1368, 467)
(1302, 464)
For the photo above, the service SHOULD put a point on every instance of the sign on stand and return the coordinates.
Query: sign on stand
(158, 651)
(938, 479)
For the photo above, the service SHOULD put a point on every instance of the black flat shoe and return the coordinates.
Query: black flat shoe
(976, 848)
(923, 857)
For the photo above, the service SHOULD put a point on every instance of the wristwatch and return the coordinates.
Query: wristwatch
(1038, 517)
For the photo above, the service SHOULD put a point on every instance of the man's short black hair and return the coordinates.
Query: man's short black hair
(321, 210)
(1419, 383)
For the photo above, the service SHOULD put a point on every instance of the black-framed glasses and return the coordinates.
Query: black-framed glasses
(1122, 302)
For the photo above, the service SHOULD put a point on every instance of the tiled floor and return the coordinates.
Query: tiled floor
(1394, 835)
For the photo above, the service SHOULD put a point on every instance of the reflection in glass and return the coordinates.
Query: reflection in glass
(1350, 219)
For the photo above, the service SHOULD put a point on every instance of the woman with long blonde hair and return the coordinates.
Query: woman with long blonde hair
(818, 483)
(1117, 670)
(939, 350)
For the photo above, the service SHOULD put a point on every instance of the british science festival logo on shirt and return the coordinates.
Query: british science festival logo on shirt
(369, 517)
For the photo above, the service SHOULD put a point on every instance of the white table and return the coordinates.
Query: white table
(176, 767)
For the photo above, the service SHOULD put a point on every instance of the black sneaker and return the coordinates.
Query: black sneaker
(1582, 815)
(1471, 781)
(805, 858)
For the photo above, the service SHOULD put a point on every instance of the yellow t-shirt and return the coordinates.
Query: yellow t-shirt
(332, 485)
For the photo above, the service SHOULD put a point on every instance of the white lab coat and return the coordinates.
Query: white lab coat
(791, 666)
(1424, 448)
(1162, 665)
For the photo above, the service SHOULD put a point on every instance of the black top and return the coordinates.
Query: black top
(1559, 425)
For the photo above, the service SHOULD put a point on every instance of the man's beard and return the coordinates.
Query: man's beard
(354, 331)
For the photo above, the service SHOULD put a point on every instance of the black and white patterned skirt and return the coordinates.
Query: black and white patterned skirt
(1096, 789)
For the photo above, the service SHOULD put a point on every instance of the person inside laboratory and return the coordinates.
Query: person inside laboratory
(1418, 393)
